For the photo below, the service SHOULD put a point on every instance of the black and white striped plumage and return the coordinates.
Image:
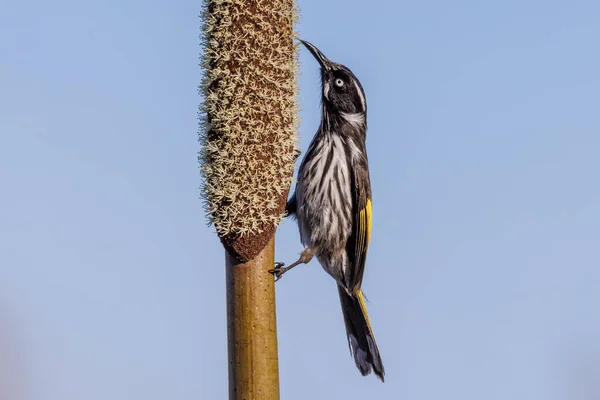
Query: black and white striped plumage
(332, 202)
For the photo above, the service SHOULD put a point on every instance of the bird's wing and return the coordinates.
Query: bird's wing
(358, 242)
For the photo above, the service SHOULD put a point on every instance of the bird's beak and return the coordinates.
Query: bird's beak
(325, 63)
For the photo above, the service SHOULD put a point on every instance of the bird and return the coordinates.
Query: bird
(332, 203)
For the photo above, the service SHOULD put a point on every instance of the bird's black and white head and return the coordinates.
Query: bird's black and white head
(342, 93)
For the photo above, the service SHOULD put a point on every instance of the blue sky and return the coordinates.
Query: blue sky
(483, 140)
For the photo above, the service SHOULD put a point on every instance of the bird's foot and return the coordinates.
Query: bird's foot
(278, 271)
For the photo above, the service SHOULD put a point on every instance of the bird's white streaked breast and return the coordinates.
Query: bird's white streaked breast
(321, 198)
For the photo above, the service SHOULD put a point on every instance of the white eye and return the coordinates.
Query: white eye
(339, 82)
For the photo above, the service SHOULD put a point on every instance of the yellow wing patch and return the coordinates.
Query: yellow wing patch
(369, 212)
(365, 219)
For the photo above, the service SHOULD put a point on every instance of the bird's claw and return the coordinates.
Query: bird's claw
(278, 271)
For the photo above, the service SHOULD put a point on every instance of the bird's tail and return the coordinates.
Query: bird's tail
(360, 335)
